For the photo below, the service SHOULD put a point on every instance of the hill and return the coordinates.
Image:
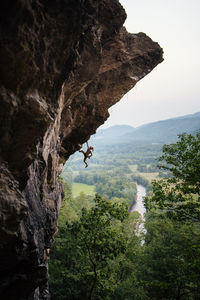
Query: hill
(164, 131)
(114, 132)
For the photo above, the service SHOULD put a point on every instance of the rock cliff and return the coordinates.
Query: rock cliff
(63, 64)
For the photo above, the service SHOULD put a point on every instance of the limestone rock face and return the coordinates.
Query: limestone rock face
(63, 64)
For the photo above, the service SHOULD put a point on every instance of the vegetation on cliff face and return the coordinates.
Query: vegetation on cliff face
(161, 263)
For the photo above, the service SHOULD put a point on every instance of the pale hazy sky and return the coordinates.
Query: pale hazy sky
(173, 87)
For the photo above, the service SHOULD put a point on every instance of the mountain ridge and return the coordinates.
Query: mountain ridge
(161, 131)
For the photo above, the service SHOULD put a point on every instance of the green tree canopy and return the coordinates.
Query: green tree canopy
(182, 159)
(83, 254)
(179, 195)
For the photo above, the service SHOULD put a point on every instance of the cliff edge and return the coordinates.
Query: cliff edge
(63, 64)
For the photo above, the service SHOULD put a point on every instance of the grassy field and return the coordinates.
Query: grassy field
(148, 176)
(133, 168)
(77, 188)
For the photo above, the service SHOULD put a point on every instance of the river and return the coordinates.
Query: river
(139, 206)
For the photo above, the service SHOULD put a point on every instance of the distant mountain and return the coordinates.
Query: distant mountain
(189, 116)
(165, 131)
(114, 132)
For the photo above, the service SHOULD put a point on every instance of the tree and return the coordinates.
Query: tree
(85, 251)
(128, 287)
(182, 159)
(179, 195)
(169, 264)
(67, 210)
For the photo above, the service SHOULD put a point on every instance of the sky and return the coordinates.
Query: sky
(173, 88)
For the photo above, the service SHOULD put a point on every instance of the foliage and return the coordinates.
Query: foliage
(72, 206)
(179, 195)
(169, 263)
(114, 169)
(145, 168)
(67, 210)
(140, 180)
(97, 254)
(67, 175)
(82, 256)
(169, 260)
(77, 188)
(182, 159)
(112, 183)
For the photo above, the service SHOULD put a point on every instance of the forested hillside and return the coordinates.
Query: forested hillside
(158, 132)
(99, 252)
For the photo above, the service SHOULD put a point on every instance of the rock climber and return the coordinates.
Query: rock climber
(87, 154)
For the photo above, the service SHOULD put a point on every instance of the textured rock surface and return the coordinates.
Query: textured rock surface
(63, 64)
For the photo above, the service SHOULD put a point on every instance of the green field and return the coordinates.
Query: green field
(148, 176)
(133, 168)
(77, 188)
